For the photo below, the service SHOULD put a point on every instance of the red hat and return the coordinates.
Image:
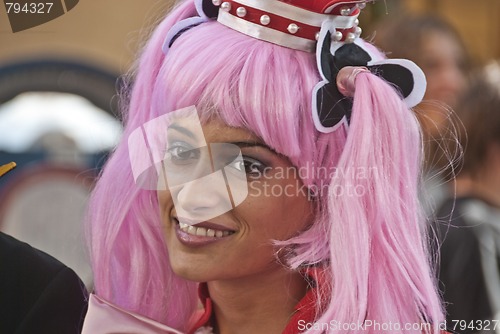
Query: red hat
(292, 23)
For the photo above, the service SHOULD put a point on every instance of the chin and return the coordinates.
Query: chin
(189, 267)
(192, 274)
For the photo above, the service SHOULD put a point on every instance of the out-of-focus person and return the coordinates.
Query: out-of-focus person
(434, 45)
(38, 294)
(469, 221)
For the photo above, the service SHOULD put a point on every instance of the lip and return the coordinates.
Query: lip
(205, 224)
(196, 240)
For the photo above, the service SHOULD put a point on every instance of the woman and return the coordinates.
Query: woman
(295, 222)
(435, 46)
(39, 293)
(468, 226)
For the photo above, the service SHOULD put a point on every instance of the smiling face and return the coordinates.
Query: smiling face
(238, 242)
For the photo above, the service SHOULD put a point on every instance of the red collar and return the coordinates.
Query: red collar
(202, 317)
(305, 310)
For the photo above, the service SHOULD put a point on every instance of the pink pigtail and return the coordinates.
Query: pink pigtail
(375, 219)
(127, 248)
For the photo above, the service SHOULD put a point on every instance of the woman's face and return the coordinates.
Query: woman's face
(442, 60)
(238, 242)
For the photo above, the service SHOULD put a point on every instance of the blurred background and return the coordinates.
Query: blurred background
(59, 103)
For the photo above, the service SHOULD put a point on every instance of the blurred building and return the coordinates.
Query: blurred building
(58, 117)
(476, 21)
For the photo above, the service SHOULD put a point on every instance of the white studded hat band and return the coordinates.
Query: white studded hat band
(266, 34)
(284, 24)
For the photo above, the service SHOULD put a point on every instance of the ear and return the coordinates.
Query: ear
(331, 109)
(403, 74)
(206, 9)
(324, 58)
(178, 29)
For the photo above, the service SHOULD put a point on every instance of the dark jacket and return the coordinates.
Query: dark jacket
(38, 294)
(461, 272)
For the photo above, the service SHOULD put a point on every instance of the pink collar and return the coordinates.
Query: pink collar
(105, 317)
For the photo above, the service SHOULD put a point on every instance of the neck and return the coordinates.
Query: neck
(262, 303)
(485, 182)
(485, 186)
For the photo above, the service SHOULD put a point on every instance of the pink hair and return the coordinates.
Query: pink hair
(374, 242)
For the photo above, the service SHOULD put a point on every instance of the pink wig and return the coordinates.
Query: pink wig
(372, 241)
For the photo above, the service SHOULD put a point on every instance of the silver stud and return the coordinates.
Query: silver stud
(265, 20)
(241, 11)
(362, 5)
(337, 37)
(316, 36)
(356, 22)
(358, 31)
(345, 11)
(216, 2)
(226, 6)
(292, 28)
(350, 38)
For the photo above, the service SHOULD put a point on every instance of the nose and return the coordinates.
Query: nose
(454, 77)
(203, 198)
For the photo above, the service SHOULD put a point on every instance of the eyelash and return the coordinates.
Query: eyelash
(252, 163)
(252, 167)
(174, 154)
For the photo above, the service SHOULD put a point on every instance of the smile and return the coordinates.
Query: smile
(203, 232)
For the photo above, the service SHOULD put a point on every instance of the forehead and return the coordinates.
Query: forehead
(220, 131)
(212, 130)
(438, 42)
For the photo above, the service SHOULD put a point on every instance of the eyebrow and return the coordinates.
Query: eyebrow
(182, 130)
(240, 144)
(255, 144)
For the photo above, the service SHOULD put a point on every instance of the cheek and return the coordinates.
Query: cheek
(279, 210)
(165, 202)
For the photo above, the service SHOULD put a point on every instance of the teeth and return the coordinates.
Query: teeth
(203, 232)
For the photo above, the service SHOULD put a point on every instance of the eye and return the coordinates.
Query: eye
(250, 166)
(181, 153)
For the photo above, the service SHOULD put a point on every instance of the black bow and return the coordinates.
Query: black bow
(333, 108)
